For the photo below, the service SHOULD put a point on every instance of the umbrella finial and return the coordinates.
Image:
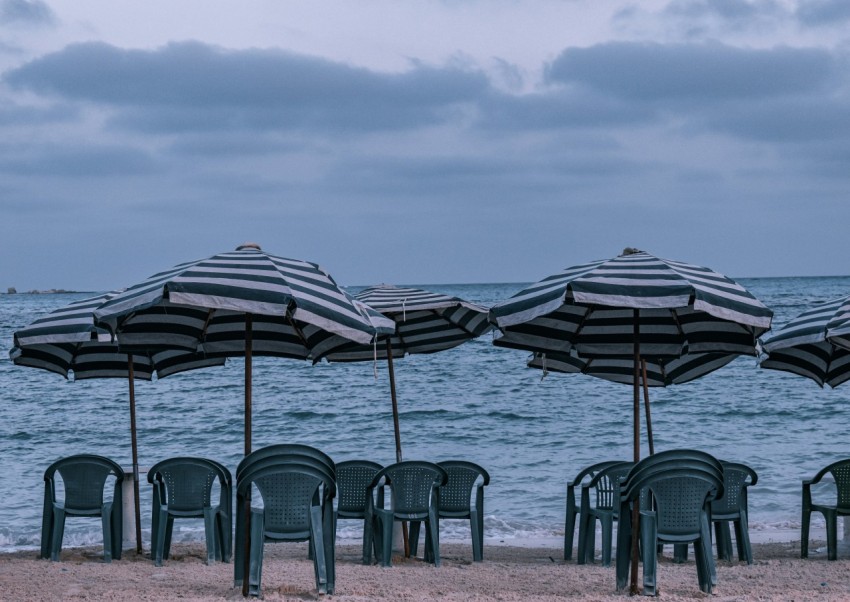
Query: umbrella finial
(248, 245)
(631, 251)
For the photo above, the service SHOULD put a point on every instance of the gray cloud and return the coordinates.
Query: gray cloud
(191, 86)
(817, 13)
(704, 72)
(28, 12)
(78, 161)
(731, 11)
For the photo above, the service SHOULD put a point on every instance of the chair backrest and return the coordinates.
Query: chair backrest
(590, 471)
(680, 484)
(188, 481)
(456, 494)
(840, 472)
(352, 479)
(289, 490)
(411, 486)
(284, 449)
(680, 501)
(606, 483)
(736, 478)
(84, 477)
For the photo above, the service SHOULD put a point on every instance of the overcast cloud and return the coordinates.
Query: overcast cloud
(433, 142)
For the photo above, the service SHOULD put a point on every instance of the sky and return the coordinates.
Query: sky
(452, 141)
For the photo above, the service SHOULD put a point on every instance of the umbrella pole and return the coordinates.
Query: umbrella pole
(633, 589)
(394, 400)
(249, 343)
(135, 450)
(391, 370)
(646, 406)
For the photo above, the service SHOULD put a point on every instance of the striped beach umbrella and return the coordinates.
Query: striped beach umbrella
(425, 322)
(634, 306)
(239, 304)
(815, 344)
(67, 342)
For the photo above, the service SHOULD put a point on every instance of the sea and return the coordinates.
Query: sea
(476, 402)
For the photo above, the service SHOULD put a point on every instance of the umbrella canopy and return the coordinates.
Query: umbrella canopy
(815, 344)
(659, 372)
(425, 322)
(66, 341)
(238, 304)
(595, 308)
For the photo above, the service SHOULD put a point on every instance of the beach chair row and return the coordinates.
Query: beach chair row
(298, 485)
(677, 496)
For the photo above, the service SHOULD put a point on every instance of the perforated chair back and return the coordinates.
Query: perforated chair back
(352, 479)
(456, 494)
(84, 478)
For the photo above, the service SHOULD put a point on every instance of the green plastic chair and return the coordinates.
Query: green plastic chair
(573, 509)
(605, 484)
(286, 455)
(413, 498)
(182, 488)
(840, 473)
(673, 491)
(455, 502)
(84, 477)
(352, 479)
(732, 508)
(297, 506)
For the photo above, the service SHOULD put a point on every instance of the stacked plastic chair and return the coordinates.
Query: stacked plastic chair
(297, 485)
(182, 488)
(84, 478)
(840, 473)
(606, 486)
(455, 502)
(413, 498)
(673, 491)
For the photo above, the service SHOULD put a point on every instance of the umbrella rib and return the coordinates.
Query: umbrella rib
(203, 336)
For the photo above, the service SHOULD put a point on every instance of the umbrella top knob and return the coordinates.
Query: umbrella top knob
(631, 251)
(248, 245)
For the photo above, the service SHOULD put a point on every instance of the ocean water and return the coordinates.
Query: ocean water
(474, 402)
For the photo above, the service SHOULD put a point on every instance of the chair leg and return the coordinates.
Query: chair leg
(477, 537)
(742, 538)
(413, 528)
(368, 540)
(58, 532)
(169, 529)
(624, 546)
(569, 527)
(831, 535)
(385, 520)
(255, 569)
(607, 523)
(106, 522)
(649, 539)
(158, 541)
(703, 570)
(804, 533)
(210, 535)
(680, 552)
(317, 545)
(586, 539)
(433, 527)
(329, 535)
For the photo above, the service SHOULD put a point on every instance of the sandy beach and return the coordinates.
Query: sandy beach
(507, 573)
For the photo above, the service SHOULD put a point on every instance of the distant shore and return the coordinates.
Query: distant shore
(51, 291)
